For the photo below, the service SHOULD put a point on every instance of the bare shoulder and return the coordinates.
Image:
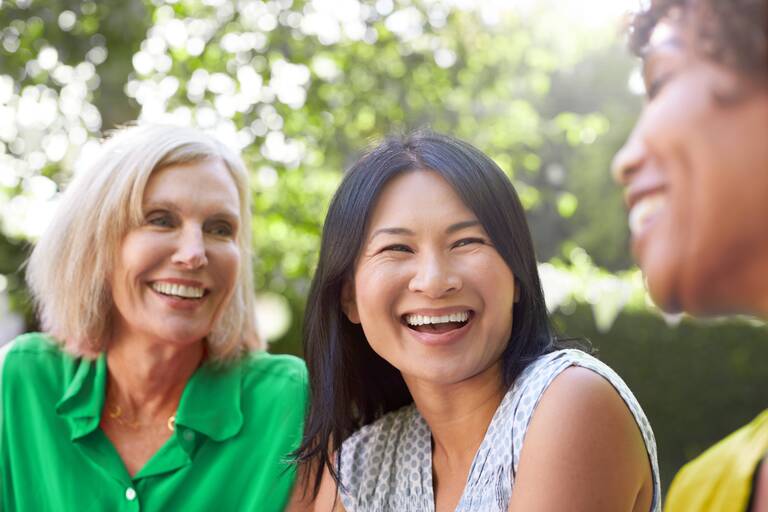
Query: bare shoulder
(583, 450)
(581, 405)
(578, 386)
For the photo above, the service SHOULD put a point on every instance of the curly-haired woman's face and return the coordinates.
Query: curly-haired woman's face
(695, 170)
(432, 294)
(177, 271)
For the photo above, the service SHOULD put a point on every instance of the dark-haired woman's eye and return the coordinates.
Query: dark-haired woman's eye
(397, 248)
(467, 241)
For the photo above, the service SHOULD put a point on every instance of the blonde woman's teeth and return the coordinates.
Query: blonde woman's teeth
(178, 290)
(416, 320)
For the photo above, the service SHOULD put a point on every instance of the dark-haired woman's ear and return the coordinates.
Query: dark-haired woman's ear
(517, 291)
(348, 302)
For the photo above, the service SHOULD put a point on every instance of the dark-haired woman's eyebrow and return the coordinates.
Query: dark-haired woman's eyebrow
(453, 228)
(391, 231)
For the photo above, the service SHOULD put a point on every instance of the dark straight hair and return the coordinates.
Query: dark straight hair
(351, 385)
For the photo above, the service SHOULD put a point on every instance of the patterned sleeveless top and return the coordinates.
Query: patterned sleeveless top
(387, 466)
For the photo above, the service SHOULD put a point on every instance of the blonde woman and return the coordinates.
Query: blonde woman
(148, 390)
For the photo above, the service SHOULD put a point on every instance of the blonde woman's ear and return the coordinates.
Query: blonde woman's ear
(348, 302)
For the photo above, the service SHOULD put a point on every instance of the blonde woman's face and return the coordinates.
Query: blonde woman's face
(177, 271)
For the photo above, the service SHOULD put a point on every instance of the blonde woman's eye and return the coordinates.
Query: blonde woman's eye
(222, 229)
(161, 220)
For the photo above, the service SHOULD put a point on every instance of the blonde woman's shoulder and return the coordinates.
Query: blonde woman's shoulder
(31, 342)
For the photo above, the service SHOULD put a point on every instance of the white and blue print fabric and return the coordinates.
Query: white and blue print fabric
(387, 466)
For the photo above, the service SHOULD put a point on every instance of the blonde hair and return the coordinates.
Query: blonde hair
(68, 271)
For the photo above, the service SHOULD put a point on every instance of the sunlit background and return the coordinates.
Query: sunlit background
(545, 87)
(50, 123)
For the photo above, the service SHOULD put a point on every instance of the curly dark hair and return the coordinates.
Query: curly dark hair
(730, 32)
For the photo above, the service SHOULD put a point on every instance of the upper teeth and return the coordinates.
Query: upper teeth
(179, 290)
(423, 319)
(644, 210)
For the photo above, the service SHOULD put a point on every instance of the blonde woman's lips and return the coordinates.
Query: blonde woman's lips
(178, 290)
(180, 294)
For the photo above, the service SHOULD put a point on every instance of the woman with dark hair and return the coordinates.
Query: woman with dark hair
(696, 175)
(431, 356)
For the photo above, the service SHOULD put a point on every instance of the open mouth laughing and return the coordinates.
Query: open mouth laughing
(179, 291)
(437, 324)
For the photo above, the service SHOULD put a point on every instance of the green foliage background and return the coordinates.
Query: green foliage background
(303, 87)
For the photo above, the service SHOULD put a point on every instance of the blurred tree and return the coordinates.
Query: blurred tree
(56, 87)
(300, 87)
(593, 111)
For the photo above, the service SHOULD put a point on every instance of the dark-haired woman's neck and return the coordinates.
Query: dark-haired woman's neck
(458, 414)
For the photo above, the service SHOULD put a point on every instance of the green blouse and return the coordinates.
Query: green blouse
(235, 427)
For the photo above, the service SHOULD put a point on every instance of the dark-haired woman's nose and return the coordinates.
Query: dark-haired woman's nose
(435, 277)
(190, 252)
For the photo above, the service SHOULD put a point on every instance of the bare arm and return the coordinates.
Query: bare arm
(327, 499)
(761, 488)
(583, 451)
(301, 497)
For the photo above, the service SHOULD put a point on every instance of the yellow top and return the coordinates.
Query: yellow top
(720, 479)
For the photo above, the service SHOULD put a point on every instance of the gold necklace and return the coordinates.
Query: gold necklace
(115, 413)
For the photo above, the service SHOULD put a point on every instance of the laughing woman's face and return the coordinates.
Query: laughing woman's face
(177, 271)
(432, 294)
(695, 171)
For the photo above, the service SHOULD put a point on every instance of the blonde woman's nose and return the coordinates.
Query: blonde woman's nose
(190, 251)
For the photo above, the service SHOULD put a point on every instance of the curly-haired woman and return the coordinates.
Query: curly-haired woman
(696, 175)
